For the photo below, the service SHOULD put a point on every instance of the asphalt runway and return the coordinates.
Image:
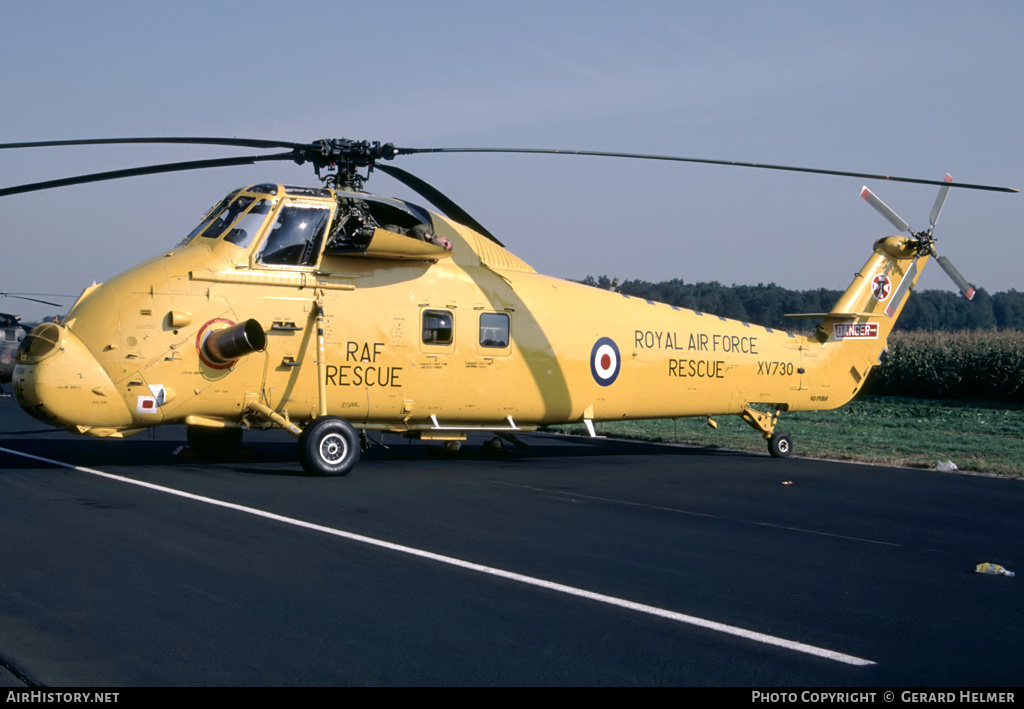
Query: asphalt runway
(572, 562)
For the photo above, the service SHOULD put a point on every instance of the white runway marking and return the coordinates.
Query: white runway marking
(489, 570)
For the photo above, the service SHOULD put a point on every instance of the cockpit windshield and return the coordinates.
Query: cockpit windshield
(237, 220)
(226, 217)
(208, 219)
(242, 233)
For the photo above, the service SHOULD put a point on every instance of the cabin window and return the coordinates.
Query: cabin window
(242, 233)
(296, 236)
(494, 330)
(437, 327)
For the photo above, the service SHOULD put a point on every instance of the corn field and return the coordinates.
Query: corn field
(986, 365)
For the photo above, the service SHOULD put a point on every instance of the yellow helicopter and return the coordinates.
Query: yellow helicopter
(330, 311)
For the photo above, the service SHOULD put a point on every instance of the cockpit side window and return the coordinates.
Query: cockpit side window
(296, 236)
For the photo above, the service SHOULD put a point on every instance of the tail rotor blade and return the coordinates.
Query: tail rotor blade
(966, 288)
(940, 200)
(885, 210)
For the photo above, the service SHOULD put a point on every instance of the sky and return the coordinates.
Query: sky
(904, 88)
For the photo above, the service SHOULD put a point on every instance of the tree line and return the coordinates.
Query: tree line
(927, 310)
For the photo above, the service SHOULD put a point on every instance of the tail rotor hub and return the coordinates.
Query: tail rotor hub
(925, 240)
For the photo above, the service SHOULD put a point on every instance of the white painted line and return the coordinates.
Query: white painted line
(489, 570)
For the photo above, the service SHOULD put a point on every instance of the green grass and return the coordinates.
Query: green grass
(983, 438)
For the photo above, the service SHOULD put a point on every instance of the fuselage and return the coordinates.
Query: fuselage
(414, 336)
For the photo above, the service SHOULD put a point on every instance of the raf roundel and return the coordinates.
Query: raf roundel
(605, 361)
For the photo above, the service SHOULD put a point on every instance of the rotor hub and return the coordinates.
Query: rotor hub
(341, 159)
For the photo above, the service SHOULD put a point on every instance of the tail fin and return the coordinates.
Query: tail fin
(878, 292)
(858, 326)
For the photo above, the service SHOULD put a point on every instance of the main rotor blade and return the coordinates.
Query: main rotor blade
(435, 197)
(327, 151)
(966, 288)
(672, 158)
(885, 210)
(237, 142)
(145, 170)
(939, 201)
(34, 300)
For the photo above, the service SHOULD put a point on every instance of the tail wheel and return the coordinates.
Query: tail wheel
(780, 445)
(329, 446)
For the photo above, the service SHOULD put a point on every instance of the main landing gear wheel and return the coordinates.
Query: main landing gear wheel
(329, 446)
(207, 441)
(780, 445)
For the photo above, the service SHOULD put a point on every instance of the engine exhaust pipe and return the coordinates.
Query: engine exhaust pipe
(227, 345)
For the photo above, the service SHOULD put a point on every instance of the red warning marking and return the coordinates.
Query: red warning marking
(881, 287)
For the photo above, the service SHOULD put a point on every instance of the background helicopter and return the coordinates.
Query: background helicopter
(326, 311)
(11, 335)
(12, 332)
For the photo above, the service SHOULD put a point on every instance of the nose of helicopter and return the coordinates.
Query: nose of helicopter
(58, 380)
